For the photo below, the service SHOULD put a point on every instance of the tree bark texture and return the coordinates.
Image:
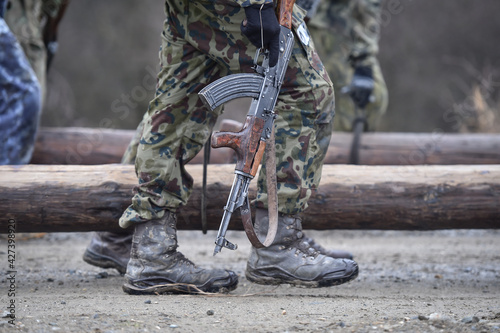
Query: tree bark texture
(101, 146)
(63, 198)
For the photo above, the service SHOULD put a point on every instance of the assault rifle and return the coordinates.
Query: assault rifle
(250, 142)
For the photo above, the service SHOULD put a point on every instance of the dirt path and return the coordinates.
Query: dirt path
(443, 281)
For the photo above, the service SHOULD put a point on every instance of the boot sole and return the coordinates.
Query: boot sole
(299, 283)
(102, 261)
(175, 288)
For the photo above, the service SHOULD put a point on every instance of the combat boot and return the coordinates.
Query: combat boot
(290, 259)
(109, 250)
(156, 267)
(334, 253)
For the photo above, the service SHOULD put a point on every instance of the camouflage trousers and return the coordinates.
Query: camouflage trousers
(202, 42)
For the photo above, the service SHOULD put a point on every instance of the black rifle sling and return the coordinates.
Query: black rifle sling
(206, 160)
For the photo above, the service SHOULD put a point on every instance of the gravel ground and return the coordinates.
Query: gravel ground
(439, 281)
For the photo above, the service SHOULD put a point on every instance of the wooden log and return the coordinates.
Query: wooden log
(90, 146)
(76, 145)
(101, 146)
(417, 149)
(44, 198)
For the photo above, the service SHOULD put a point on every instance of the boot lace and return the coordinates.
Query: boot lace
(180, 258)
(300, 242)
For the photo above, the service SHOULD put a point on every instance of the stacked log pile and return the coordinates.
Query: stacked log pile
(102, 146)
(408, 182)
(43, 198)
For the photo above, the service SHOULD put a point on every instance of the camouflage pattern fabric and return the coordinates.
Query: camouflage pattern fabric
(24, 78)
(344, 30)
(202, 42)
(20, 101)
(24, 18)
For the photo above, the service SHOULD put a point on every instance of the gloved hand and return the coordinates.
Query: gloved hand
(361, 86)
(270, 31)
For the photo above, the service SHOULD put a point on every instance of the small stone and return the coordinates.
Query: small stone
(435, 316)
(147, 301)
(210, 312)
(421, 317)
(470, 320)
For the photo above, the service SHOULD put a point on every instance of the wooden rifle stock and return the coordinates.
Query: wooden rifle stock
(246, 143)
(284, 12)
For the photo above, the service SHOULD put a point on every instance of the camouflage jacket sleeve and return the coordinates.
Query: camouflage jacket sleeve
(357, 24)
(247, 3)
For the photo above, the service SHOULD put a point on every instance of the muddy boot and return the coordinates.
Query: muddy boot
(290, 260)
(156, 267)
(109, 250)
(339, 254)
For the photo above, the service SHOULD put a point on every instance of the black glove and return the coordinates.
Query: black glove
(270, 31)
(361, 86)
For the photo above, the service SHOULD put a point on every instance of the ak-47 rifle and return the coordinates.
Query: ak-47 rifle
(249, 144)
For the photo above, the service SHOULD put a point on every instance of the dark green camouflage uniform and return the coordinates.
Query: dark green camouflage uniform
(202, 42)
(344, 30)
(24, 18)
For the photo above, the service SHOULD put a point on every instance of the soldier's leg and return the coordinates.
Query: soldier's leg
(303, 130)
(112, 249)
(328, 43)
(175, 128)
(109, 250)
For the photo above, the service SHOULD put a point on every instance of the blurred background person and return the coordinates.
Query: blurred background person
(29, 41)
(20, 99)
(346, 33)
